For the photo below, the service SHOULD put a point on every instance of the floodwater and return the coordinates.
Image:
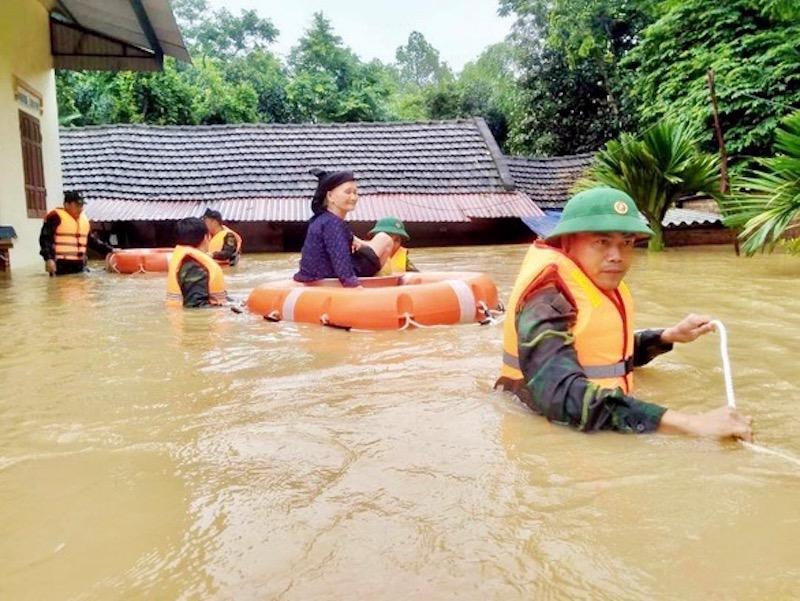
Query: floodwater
(149, 453)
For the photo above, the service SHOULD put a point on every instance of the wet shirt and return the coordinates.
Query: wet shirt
(555, 384)
(193, 280)
(228, 252)
(326, 251)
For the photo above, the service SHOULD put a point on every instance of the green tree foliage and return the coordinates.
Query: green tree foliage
(570, 87)
(217, 101)
(486, 87)
(221, 34)
(561, 110)
(232, 79)
(754, 51)
(418, 63)
(267, 76)
(657, 169)
(329, 82)
(766, 202)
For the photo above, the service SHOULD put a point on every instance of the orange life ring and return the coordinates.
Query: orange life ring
(385, 303)
(138, 260)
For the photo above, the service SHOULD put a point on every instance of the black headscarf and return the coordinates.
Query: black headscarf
(328, 180)
(212, 214)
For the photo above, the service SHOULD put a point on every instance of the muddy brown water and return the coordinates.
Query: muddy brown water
(148, 453)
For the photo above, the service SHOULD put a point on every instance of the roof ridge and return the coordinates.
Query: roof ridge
(263, 125)
(582, 155)
(497, 155)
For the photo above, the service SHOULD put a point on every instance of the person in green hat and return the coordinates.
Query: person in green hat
(398, 261)
(569, 345)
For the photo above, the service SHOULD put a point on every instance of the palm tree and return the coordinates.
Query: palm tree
(766, 204)
(656, 170)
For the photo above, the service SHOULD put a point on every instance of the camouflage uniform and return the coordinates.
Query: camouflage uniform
(555, 384)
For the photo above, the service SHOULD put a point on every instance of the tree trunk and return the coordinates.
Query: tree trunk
(656, 242)
(723, 152)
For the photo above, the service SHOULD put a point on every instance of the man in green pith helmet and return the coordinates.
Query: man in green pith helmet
(398, 261)
(569, 345)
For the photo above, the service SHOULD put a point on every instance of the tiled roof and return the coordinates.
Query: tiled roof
(547, 180)
(216, 162)
(371, 207)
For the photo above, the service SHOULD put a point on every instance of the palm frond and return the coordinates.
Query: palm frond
(656, 169)
(766, 202)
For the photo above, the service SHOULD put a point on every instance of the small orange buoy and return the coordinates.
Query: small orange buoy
(138, 260)
(385, 303)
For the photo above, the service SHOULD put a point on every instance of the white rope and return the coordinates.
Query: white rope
(491, 314)
(112, 262)
(726, 362)
(410, 322)
(726, 369)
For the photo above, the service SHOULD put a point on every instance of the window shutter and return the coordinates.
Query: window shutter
(35, 191)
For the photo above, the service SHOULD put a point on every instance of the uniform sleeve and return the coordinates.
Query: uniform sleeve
(647, 345)
(557, 386)
(338, 244)
(97, 244)
(228, 248)
(47, 236)
(193, 280)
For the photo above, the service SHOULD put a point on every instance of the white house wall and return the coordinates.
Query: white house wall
(25, 56)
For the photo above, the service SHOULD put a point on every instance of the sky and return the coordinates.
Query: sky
(458, 29)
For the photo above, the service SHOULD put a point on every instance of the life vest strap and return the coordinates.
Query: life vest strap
(619, 369)
(615, 370)
(511, 360)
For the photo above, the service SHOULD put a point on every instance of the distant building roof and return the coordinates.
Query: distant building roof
(547, 181)
(434, 171)
(690, 217)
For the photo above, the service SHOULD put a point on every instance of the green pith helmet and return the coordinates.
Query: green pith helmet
(601, 210)
(390, 225)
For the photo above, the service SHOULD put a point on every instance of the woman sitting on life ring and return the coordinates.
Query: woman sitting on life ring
(330, 250)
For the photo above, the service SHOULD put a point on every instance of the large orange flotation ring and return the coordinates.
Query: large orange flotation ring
(142, 260)
(385, 303)
(138, 260)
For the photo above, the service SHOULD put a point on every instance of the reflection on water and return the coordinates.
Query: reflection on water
(156, 453)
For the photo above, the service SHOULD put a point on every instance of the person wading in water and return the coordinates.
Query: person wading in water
(569, 345)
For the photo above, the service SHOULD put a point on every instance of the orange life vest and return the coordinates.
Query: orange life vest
(71, 236)
(216, 281)
(603, 332)
(218, 241)
(397, 263)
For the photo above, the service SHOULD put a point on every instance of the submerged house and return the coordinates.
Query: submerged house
(548, 181)
(447, 180)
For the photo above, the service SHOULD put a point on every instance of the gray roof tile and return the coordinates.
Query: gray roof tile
(142, 162)
(548, 180)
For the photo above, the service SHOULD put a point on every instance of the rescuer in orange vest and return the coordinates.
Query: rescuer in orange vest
(569, 345)
(398, 261)
(65, 236)
(225, 245)
(193, 278)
